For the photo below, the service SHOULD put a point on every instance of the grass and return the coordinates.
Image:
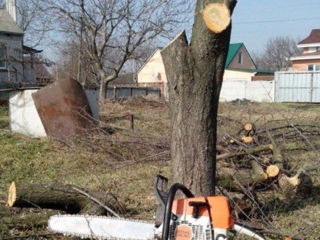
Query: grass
(125, 162)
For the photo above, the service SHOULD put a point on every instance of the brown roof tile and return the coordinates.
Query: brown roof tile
(314, 37)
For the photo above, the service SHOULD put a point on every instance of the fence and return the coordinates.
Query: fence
(126, 92)
(258, 91)
(297, 87)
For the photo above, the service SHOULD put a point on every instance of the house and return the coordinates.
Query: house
(12, 50)
(309, 60)
(239, 66)
(153, 73)
(37, 70)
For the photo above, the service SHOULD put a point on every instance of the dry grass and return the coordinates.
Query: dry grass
(124, 161)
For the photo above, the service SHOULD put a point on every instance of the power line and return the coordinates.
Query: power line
(278, 21)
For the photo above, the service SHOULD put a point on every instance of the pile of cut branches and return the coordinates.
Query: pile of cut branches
(257, 161)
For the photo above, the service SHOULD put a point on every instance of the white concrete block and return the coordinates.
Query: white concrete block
(23, 115)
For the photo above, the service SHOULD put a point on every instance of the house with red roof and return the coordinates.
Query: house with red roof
(309, 60)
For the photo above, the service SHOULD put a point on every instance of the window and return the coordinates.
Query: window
(314, 67)
(312, 50)
(240, 58)
(3, 55)
(310, 67)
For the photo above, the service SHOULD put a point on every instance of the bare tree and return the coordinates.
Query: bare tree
(107, 28)
(195, 72)
(277, 53)
(32, 21)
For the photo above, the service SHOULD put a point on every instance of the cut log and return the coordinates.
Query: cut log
(277, 156)
(258, 174)
(217, 17)
(273, 171)
(60, 197)
(245, 152)
(238, 180)
(247, 139)
(249, 127)
(300, 184)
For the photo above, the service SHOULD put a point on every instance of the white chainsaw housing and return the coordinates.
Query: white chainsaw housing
(199, 228)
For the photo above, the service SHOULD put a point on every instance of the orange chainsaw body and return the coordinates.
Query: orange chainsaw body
(218, 210)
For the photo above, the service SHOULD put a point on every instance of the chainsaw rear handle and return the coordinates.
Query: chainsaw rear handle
(160, 189)
(168, 210)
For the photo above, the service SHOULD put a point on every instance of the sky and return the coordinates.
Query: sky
(256, 21)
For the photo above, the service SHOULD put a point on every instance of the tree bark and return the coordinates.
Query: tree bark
(195, 74)
(59, 197)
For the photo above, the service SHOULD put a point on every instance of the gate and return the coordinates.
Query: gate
(297, 87)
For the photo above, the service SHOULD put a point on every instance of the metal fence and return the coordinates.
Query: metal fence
(126, 92)
(257, 91)
(297, 87)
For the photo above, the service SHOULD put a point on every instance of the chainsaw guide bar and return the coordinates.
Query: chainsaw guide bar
(100, 227)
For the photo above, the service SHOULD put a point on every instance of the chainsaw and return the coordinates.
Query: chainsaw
(189, 218)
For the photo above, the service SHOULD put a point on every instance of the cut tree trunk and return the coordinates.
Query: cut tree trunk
(249, 127)
(195, 74)
(273, 171)
(300, 184)
(216, 17)
(247, 139)
(60, 197)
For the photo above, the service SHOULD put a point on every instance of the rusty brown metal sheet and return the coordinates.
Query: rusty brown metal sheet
(63, 109)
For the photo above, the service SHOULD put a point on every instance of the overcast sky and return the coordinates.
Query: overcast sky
(255, 21)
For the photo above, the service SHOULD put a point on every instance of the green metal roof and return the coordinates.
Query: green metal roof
(232, 52)
(7, 24)
(264, 71)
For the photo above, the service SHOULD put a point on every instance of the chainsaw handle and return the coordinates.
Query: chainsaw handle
(168, 209)
(160, 189)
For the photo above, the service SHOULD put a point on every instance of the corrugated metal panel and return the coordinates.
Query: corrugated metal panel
(297, 86)
(258, 91)
(316, 88)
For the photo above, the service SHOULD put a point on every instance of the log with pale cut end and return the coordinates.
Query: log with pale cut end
(300, 184)
(273, 171)
(236, 180)
(247, 140)
(217, 17)
(288, 185)
(249, 127)
(258, 174)
(12, 196)
(60, 197)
